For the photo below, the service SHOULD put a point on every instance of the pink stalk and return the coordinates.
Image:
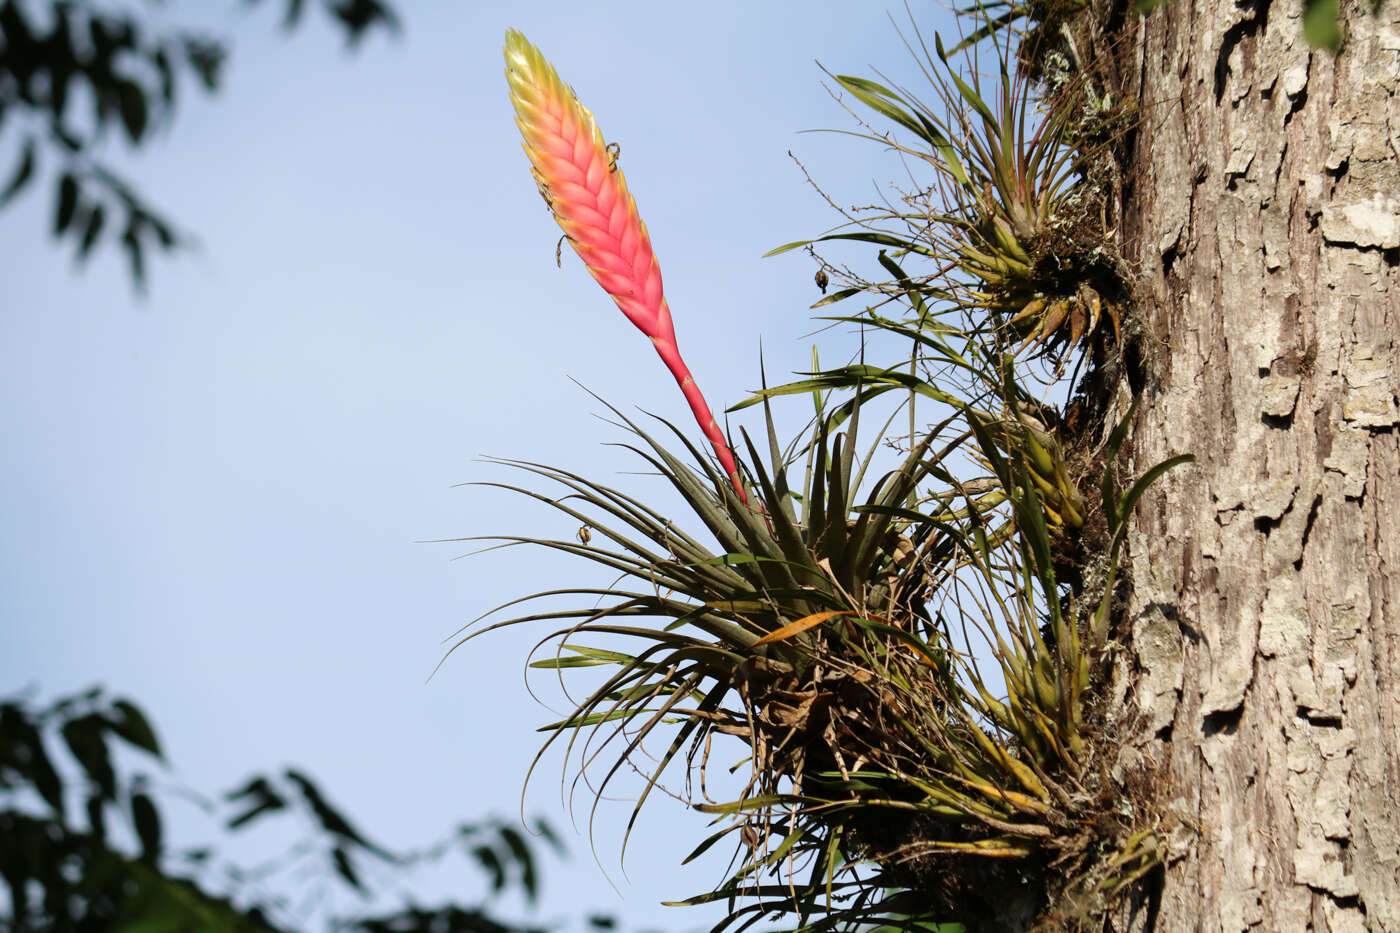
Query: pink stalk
(580, 181)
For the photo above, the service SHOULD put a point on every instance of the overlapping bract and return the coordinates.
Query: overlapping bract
(579, 179)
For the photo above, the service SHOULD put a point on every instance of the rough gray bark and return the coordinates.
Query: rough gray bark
(1262, 212)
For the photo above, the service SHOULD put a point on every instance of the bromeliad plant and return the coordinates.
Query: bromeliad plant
(829, 635)
(1021, 438)
(821, 634)
(909, 675)
(1009, 219)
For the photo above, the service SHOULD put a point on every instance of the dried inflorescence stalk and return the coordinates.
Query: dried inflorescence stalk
(579, 179)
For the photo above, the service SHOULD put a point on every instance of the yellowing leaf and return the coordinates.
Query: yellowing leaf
(800, 626)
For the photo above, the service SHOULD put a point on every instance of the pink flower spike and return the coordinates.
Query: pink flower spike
(579, 179)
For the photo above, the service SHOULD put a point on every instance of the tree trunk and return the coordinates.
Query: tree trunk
(1261, 211)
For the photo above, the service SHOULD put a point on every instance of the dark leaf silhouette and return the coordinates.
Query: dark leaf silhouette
(331, 819)
(130, 723)
(130, 65)
(86, 740)
(23, 172)
(259, 797)
(62, 876)
(147, 821)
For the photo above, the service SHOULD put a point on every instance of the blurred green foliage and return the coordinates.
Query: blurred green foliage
(86, 799)
(72, 75)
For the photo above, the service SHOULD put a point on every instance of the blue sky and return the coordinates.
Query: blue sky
(213, 497)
